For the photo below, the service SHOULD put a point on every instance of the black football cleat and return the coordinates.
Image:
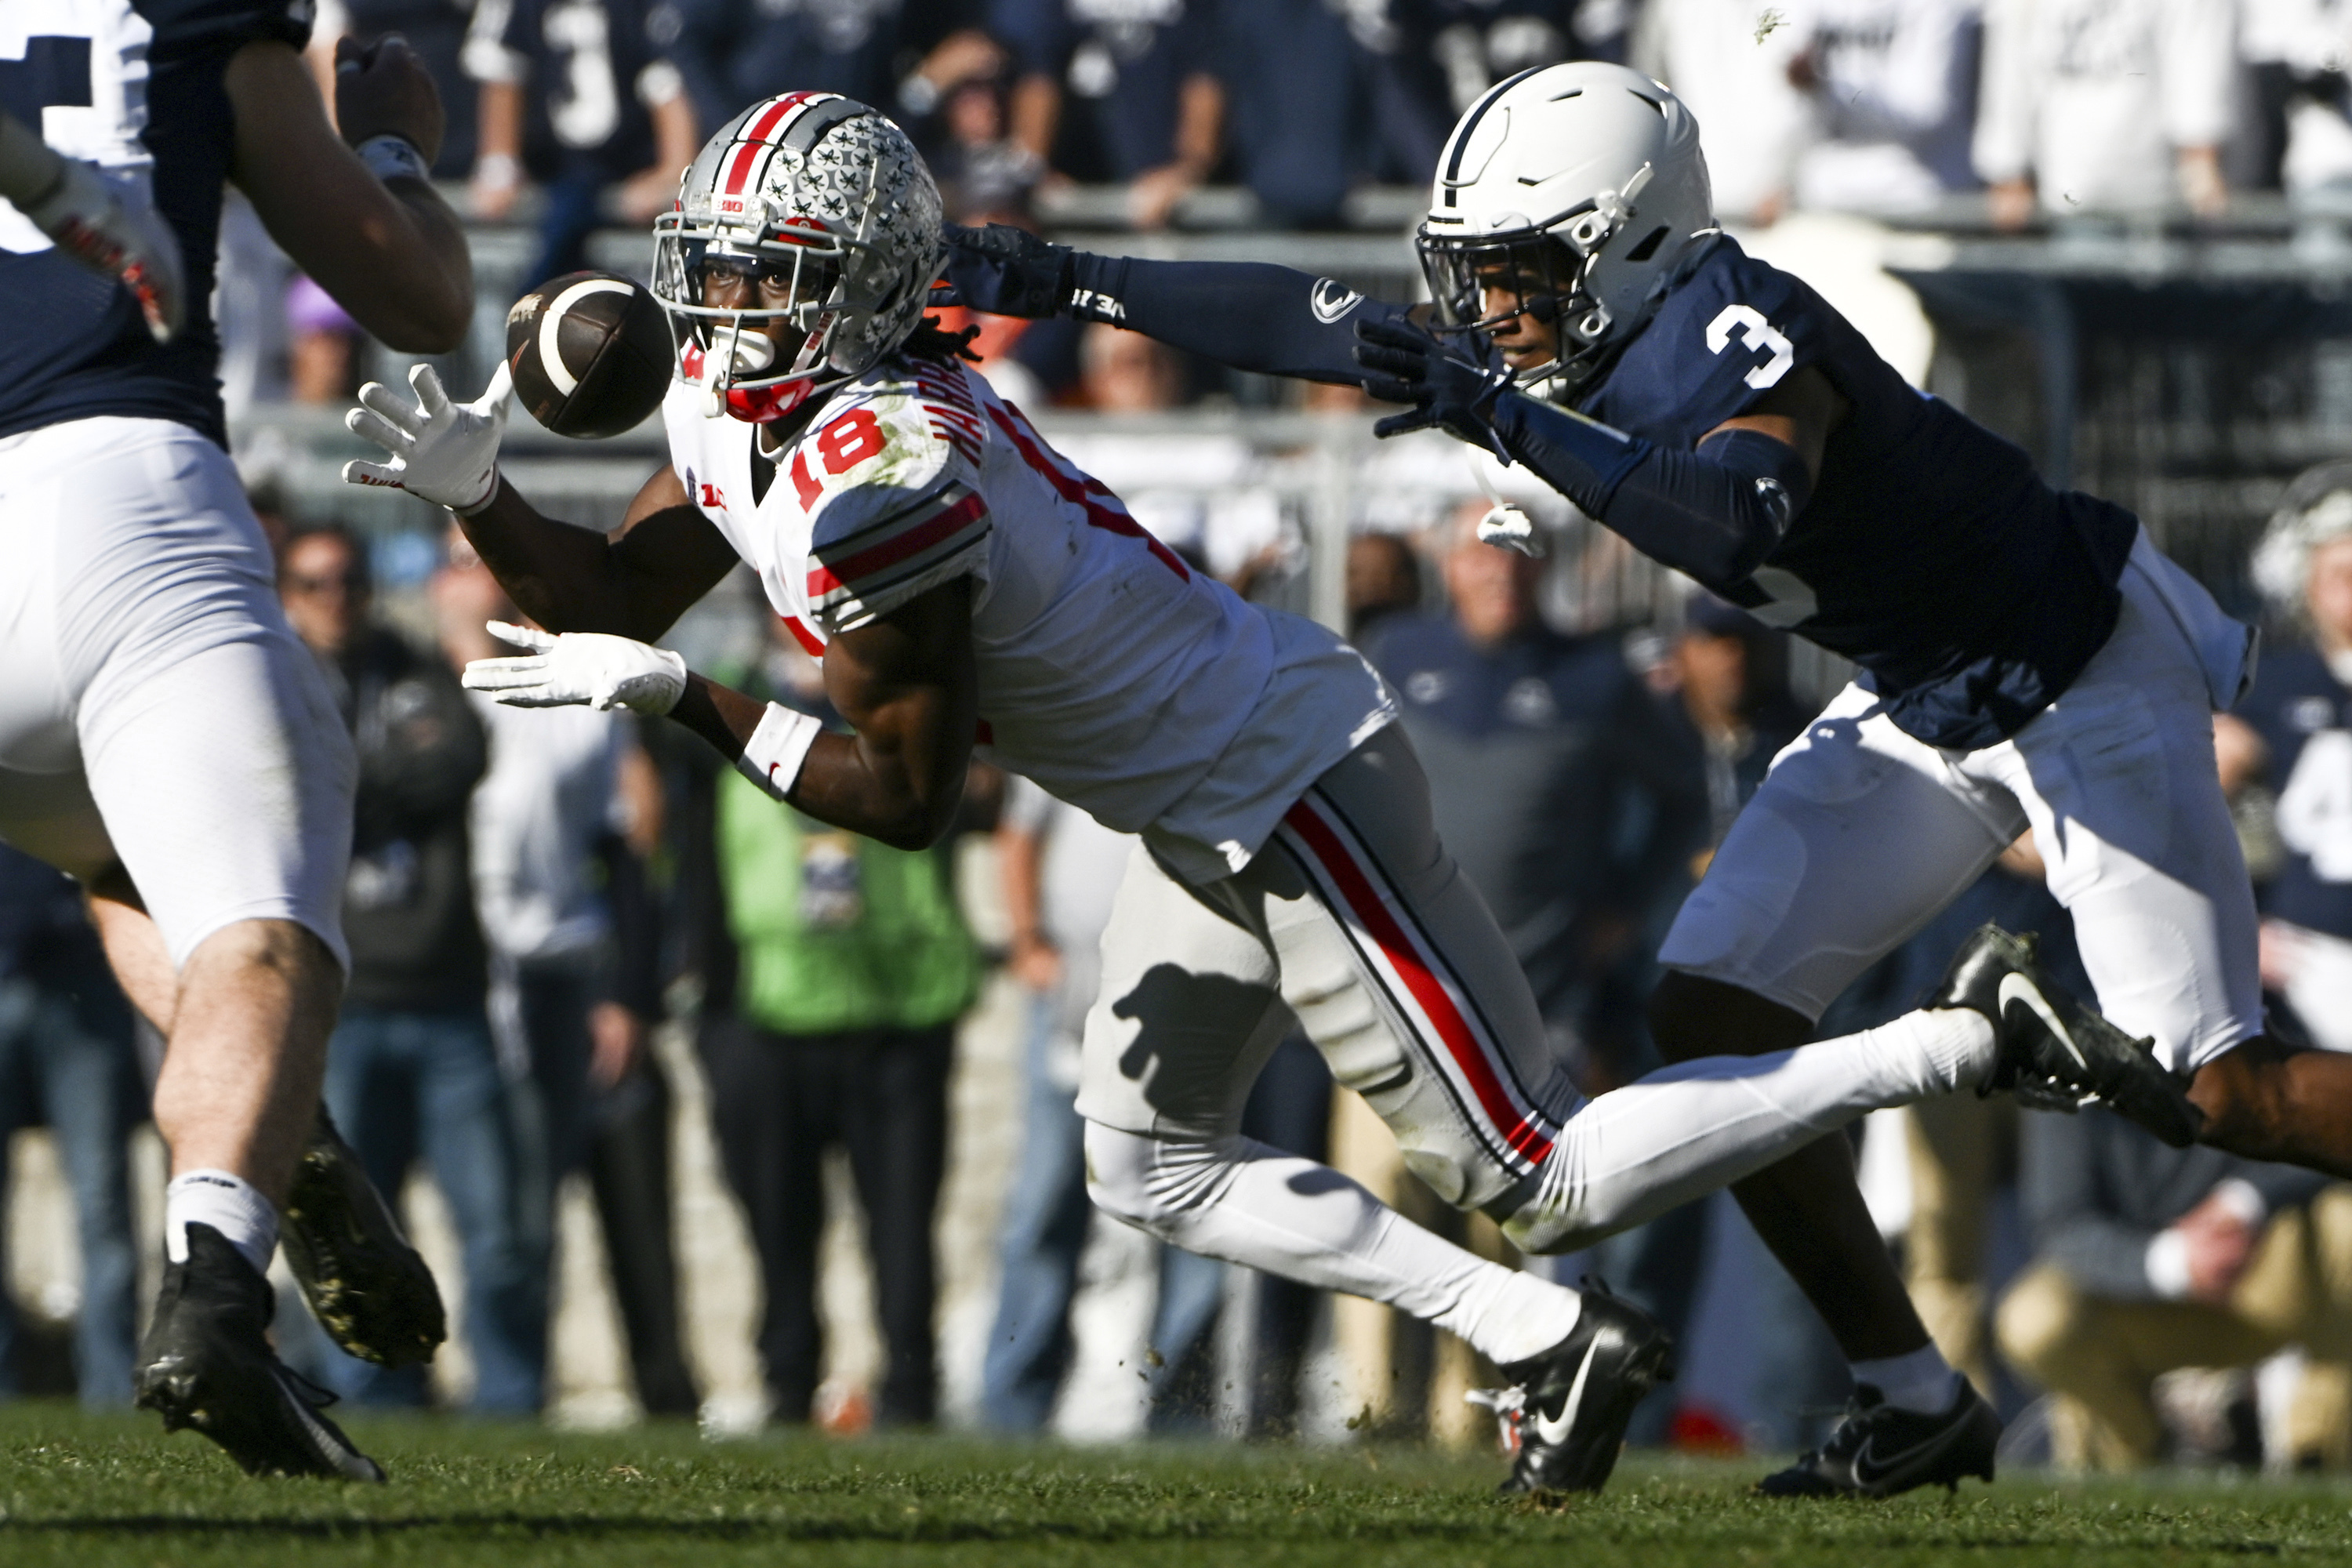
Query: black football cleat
(206, 1364)
(1880, 1449)
(369, 1289)
(2055, 1052)
(1577, 1397)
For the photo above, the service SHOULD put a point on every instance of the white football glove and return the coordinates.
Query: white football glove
(85, 216)
(604, 672)
(447, 453)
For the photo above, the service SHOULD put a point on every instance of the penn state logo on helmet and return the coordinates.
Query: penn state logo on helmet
(822, 211)
(1569, 193)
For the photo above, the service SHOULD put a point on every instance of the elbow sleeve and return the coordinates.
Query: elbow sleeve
(1715, 513)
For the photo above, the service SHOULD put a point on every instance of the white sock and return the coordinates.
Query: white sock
(1508, 1315)
(1246, 1203)
(1923, 1380)
(230, 1204)
(1635, 1153)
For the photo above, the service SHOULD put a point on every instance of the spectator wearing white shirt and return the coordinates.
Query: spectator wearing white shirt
(559, 826)
(2104, 106)
(2295, 53)
(1892, 86)
(1728, 61)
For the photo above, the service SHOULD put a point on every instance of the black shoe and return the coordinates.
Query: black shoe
(1576, 1398)
(1880, 1449)
(2056, 1053)
(205, 1364)
(369, 1289)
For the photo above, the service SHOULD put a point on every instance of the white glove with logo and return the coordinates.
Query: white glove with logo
(604, 672)
(445, 452)
(85, 215)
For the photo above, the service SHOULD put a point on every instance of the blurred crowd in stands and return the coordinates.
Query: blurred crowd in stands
(577, 114)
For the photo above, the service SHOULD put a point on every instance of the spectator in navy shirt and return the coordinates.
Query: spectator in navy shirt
(2293, 730)
(1118, 89)
(1557, 778)
(581, 95)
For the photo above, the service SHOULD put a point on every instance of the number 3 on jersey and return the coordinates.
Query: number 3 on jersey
(1748, 325)
(843, 445)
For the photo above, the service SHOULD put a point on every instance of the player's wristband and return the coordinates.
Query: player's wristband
(391, 156)
(772, 756)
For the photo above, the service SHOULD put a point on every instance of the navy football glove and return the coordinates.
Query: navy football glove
(1004, 271)
(1408, 364)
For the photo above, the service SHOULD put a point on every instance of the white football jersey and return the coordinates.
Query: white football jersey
(1140, 691)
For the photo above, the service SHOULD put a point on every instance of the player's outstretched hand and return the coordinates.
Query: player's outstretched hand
(445, 452)
(1404, 363)
(87, 219)
(1004, 271)
(604, 672)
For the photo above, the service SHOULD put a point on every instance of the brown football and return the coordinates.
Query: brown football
(590, 352)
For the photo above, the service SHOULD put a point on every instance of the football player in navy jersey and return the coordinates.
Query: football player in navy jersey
(2028, 657)
(164, 736)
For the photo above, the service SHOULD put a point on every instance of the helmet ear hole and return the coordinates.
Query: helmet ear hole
(1649, 245)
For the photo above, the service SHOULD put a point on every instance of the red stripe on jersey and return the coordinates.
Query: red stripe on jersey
(1517, 1131)
(824, 579)
(1076, 493)
(810, 642)
(755, 136)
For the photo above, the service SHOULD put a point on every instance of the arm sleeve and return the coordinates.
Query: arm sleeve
(2071, 1225)
(1715, 512)
(1245, 315)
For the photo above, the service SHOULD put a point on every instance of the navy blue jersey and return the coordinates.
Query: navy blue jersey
(146, 76)
(1930, 552)
(732, 54)
(585, 64)
(2304, 716)
(1127, 59)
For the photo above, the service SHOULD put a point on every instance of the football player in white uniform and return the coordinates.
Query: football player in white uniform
(967, 590)
(164, 736)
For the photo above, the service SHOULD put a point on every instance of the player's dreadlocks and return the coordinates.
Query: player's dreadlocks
(932, 341)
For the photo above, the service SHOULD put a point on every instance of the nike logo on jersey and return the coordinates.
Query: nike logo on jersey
(1554, 1429)
(1092, 305)
(1330, 301)
(2015, 987)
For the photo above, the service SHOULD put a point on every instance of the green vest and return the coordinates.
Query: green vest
(837, 931)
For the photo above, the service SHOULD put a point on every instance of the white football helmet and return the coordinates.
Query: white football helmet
(827, 209)
(1574, 188)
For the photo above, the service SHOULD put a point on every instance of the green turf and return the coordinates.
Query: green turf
(85, 1490)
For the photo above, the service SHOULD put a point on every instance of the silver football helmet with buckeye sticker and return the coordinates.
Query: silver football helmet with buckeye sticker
(824, 209)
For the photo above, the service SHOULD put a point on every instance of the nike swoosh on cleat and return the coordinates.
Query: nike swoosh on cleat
(1555, 1429)
(2016, 987)
(1866, 1474)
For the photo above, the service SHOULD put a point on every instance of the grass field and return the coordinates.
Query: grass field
(84, 1490)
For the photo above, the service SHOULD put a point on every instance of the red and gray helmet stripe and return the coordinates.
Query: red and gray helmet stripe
(793, 121)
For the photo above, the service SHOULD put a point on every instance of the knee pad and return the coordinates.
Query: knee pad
(1156, 1185)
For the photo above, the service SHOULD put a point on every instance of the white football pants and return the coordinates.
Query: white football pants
(1355, 920)
(155, 709)
(1860, 834)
